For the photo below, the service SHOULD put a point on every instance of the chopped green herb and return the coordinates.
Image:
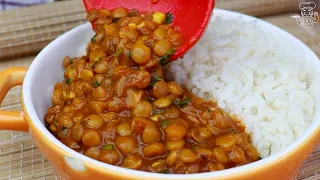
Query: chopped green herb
(171, 51)
(127, 53)
(107, 147)
(68, 81)
(209, 110)
(155, 78)
(115, 20)
(118, 53)
(71, 61)
(193, 147)
(93, 39)
(164, 124)
(164, 60)
(64, 131)
(96, 83)
(164, 171)
(185, 102)
(133, 12)
(181, 103)
(158, 111)
(169, 18)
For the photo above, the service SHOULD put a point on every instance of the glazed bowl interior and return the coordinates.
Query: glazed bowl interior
(47, 69)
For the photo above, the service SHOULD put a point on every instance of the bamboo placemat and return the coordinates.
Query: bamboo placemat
(26, 31)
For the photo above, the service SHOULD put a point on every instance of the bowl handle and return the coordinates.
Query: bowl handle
(12, 120)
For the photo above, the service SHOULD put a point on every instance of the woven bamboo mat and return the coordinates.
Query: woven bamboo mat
(25, 32)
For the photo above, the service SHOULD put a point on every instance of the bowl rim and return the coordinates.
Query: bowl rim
(245, 169)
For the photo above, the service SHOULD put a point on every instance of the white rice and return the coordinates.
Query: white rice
(254, 76)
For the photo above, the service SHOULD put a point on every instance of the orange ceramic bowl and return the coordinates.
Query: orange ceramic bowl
(47, 69)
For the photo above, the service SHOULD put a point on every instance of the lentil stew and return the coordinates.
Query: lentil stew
(115, 106)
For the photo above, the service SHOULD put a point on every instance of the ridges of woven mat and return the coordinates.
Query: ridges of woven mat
(259, 7)
(26, 31)
(20, 159)
(311, 168)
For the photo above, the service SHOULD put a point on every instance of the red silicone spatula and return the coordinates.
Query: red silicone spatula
(191, 16)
